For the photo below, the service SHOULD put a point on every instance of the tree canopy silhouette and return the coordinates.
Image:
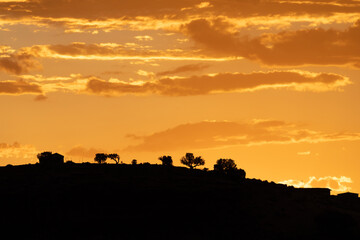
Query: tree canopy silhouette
(100, 158)
(166, 160)
(225, 165)
(241, 173)
(191, 161)
(228, 167)
(44, 155)
(115, 157)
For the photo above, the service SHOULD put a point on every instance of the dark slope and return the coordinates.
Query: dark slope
(153, 202)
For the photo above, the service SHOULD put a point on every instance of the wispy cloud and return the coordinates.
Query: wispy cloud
(113, 51)
(80, 151)
(288, 48)
(75, 83)
(19, 87)
(184, 69)
(215, 134)
(174, 86)
(40, 98)
(18, 63)
(17, 150)
(89, 16)
(304, 153)
(177, 9)
(337, 184)
(223, 82)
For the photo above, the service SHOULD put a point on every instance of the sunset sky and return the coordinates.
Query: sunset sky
(272, 84)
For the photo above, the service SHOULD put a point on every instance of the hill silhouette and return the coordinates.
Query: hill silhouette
(143, 201)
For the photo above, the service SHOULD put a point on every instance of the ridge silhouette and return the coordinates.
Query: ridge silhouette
(144, 201)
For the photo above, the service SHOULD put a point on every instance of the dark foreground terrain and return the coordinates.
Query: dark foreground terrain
(88, 201)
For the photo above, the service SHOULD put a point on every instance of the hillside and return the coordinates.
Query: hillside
(88, 201)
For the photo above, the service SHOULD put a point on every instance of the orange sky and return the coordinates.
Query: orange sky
(272, 84)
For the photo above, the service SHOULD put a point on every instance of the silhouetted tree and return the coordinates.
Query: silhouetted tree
(100, 158)
(115, 157)
(166, 160)
(229, 167)
(191, 161)
(241, 173)
(225, 165)
(134, 162)
(44, 155)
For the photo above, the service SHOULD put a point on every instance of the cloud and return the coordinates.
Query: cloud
(18, 63)
(40, 98)
(304, 153)
(223, 82)
(112, 51)
(184, 68)
(6, 145)
(75, 83)
(287, 48)
(19, 87)
(83, 49)
(217, 134)
(175, 86)
(93, 10)
(145, 73)
(79, 16)
(144, 38)
(17, 150)
(80, 151)
(337, 184)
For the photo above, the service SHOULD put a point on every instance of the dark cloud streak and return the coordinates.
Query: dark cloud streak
(223, 82)
(19, 87)
(18, 63)
(207, 135)
(289, 48)
(184, 69)
(95, 10)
